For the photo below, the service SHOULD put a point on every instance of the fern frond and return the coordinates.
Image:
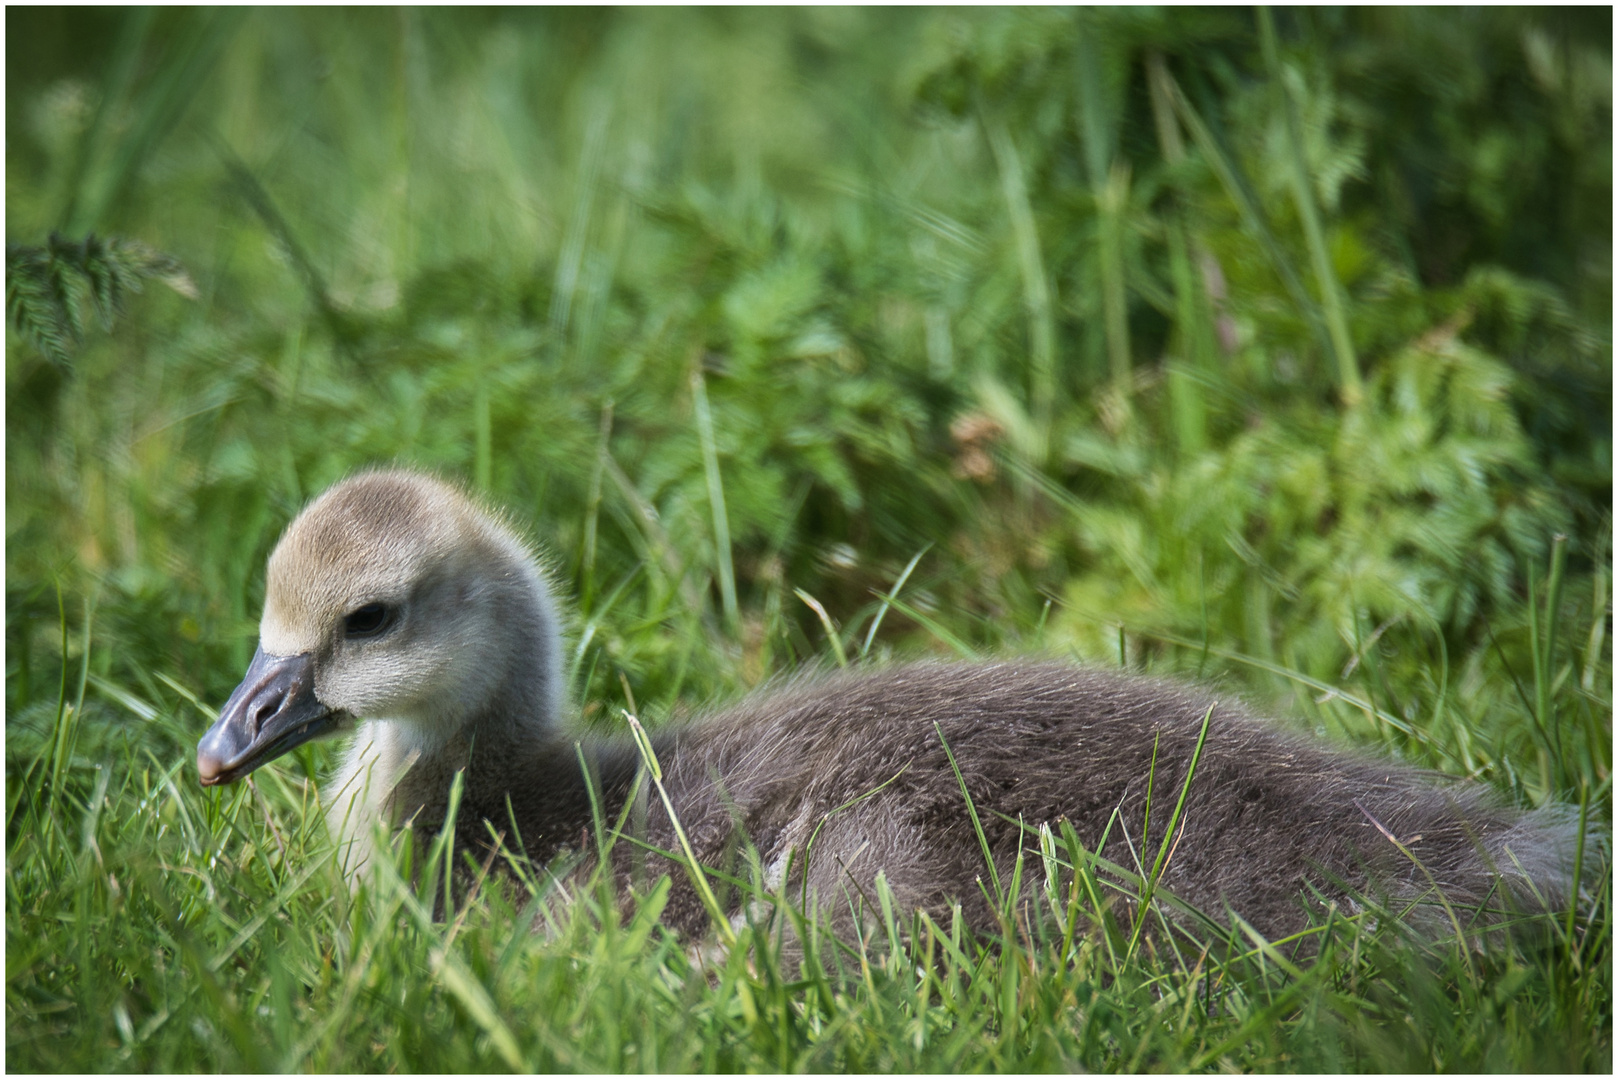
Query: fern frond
(48, 289)
(33, 306)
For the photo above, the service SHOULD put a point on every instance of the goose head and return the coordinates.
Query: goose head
(392, 597)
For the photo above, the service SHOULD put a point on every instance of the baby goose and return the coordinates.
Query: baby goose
(400, 610)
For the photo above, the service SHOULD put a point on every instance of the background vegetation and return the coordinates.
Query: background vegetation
(1266, 348)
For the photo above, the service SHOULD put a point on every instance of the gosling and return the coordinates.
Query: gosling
(399, 611)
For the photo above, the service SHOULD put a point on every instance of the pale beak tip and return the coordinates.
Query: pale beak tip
(208, 768)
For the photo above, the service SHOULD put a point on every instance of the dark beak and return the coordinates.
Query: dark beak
(273, 710)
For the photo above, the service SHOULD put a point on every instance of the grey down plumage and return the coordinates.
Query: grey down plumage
(402, 613)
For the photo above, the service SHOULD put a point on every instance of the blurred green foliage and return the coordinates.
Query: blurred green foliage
(1270, 347)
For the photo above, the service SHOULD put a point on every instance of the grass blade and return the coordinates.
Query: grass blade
(972, 811)
(699, 879)
(1331, 291)
(887, 600)
(832, 635)
(1036, 286)
(716, 502)
(1168, 836)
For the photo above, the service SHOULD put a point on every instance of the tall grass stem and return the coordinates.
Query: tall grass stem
(1331, 291)
(716, 502)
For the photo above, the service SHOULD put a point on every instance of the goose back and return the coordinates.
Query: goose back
(1268, 815)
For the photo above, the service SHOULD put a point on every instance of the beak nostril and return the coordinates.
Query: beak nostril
(264, 709)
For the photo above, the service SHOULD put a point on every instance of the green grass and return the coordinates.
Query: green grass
(1270, 352)
(156, 926)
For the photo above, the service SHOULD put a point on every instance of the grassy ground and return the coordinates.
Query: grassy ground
(1274, 350)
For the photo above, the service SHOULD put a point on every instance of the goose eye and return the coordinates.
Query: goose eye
(365, 621)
